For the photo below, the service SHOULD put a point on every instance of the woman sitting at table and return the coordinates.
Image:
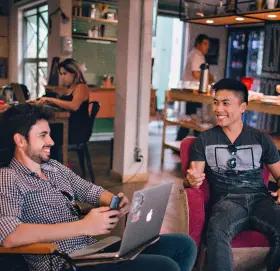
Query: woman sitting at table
(74, 97)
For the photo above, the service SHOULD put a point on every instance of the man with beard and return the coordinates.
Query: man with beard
(37, 203)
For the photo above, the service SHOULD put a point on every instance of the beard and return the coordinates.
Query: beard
(38, 157)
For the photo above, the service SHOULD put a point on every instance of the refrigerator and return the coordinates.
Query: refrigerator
(246, 57)
(245, 54)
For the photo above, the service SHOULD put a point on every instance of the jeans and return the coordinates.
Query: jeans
(172, 252)
(235, 213)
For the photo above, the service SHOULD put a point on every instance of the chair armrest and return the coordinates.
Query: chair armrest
(196, 203)
(37, 248)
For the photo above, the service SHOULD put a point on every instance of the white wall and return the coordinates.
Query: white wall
(220, 33)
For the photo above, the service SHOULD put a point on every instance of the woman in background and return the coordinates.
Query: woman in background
(73, 97)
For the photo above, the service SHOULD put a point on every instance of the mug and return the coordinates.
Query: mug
(271, 4)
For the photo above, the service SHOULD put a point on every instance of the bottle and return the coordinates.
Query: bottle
(93, 11)
(94, 31)
(204, 78)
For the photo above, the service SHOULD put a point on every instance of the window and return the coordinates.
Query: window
(35, 49)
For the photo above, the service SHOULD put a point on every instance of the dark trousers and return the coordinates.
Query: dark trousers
(190, 109)
(173, 252)
(235, 213)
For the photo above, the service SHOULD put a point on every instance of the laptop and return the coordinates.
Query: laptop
(142, 227)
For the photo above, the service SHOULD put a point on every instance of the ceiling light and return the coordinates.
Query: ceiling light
(209, 21)
(271, 15)
(239, 19)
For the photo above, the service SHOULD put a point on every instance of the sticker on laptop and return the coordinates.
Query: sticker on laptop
(136, 207)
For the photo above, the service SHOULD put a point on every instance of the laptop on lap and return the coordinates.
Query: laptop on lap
(142, 227)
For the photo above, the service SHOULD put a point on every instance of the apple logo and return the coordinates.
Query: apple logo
(149, 216)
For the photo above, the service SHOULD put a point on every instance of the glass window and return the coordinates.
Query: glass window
(35, 49)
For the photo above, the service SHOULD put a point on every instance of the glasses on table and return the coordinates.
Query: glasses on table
(231, 163)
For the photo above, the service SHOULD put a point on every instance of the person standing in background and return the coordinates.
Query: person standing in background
(192, 73)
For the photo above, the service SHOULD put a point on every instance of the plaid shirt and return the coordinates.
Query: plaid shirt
(25, 198)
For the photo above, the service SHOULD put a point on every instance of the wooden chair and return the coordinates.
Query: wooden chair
(11, 258)
(81, 146)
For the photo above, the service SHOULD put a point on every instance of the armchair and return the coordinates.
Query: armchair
(11, 258)
(249, 247)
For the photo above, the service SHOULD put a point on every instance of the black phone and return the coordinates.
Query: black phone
(115, 202)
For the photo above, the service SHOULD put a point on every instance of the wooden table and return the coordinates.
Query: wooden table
(186, 95)
(193, 96)
(63, 118)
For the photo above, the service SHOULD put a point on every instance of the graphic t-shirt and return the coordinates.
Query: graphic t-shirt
(234, 168)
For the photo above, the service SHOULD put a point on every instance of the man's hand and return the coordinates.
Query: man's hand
(276, 194)
(124, 204)
(195, 178)
(100, 221)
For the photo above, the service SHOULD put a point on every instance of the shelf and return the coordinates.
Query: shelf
(250, 17)
(97, 20)
(191, 124)
(110, 39)
(265, 14)
(225, 20)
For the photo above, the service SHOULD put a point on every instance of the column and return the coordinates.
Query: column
(133, 86)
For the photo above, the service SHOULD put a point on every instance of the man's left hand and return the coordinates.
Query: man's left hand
(276, 194)
(124, 204)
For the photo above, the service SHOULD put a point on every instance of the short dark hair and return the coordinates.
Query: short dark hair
(20, 119)
(234, 86)
(200, 38)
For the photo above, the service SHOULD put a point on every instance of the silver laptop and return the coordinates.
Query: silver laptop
(142, 227)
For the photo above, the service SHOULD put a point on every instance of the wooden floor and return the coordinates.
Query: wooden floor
(175, 219)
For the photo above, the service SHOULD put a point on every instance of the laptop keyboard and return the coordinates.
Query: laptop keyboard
(112, 248)
(110, 242)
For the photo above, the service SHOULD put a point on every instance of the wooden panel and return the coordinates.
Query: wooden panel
(153, 102)
(37, 248)
(265, 15)
(4, 26)
(4, 51)
(106, 98)
(3, 82)
(224, 20)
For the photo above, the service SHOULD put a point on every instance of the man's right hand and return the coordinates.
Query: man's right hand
(195, 177)
(100, 221)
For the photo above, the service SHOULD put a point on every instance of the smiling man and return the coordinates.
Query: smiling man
(37, 203)
(232, 156)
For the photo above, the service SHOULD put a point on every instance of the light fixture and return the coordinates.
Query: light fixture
(239, 19)
(209, 21)
(271, 15)
(64, 18)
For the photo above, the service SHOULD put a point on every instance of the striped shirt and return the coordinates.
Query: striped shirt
(26, 198)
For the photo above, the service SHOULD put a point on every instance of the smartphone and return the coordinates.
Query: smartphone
(115, 202)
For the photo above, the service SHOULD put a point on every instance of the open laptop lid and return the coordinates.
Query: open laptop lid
(145, 217)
